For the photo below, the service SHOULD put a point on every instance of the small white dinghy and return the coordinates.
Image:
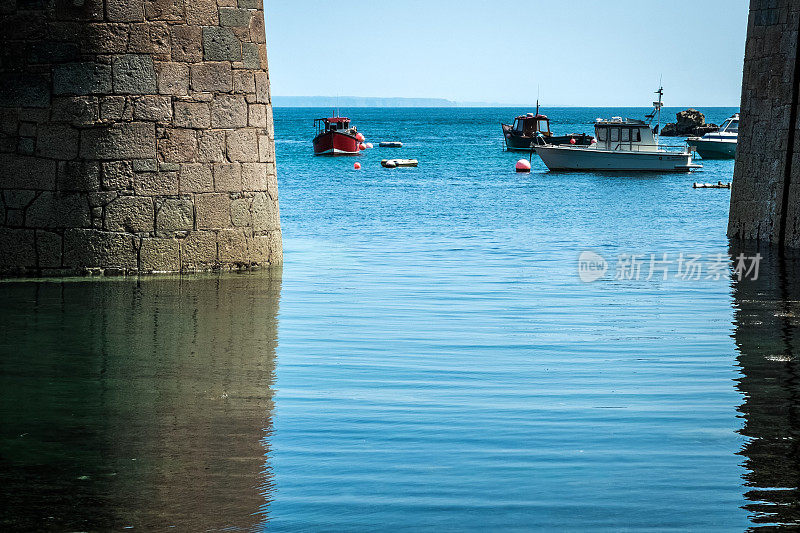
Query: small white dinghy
(394, 163)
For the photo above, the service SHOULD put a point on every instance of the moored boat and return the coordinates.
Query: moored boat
(719, 144)
(335, 136)
(622, 144)
(534, 128)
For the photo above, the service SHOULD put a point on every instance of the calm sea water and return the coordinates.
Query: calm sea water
(428, 358)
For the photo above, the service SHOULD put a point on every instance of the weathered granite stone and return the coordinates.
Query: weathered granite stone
(195, 178)
(192, 115)
(211, 76)
(251, 57)
(81, 78)
(150, 38)
(240, 212)
(211, 146)
(25, 172)
(18, 199)
(234, 17)
(155, 183)
(117, 175)
(134, 74)
(57, 141)
(199, 251)
(174, 215)
(18, 248)
(135, 136)
(131, 214)
(231, 245)
(178, 145)
(227, 177)
(78, 175)
(76, 110)
(171, 10)
(202, 13)
(89, 247)
(228, 111)
(254, 176)
(155, 108)
(187, 44)
(125, 10)
(257, 115)
(135, 140)
(265, 213)
(765, 195)
(220, 44)
(159, 255)
(106, 38)
(48, 249)
(242, 145)
(173, 78)
(58, 210)
(213, 211)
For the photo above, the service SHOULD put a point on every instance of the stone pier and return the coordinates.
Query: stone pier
(765, 197)
(135, 136)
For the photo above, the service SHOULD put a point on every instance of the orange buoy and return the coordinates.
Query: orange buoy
(357, 165)
(360, 137)
(362, 146)
(523, 165)
(572, 141)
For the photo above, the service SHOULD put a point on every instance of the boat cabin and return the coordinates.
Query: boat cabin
(529, 125)
(332, 124)
(623, 134)
(731, 125)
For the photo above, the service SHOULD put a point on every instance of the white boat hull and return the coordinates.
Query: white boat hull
(567, 158)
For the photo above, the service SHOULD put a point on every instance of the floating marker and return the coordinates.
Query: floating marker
(369, 145)
(523, 165)
(362, 146)
(357, 165)
(360, 137)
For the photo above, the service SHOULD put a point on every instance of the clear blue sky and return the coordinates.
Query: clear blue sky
(577, 52)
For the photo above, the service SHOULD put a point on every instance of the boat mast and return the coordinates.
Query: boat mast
(659, 104)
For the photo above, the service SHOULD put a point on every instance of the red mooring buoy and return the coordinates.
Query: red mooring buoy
(360, 137)
(357, 165)
(523, 165)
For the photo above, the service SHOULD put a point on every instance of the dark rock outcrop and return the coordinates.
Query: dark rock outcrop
(689, 122)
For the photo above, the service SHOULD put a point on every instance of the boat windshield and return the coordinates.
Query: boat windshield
(730, 126)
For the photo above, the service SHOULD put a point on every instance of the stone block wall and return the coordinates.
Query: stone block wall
(765, 196)
(135, 136)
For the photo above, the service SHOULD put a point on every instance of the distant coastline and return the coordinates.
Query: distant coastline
(374, 101)
(371, 101)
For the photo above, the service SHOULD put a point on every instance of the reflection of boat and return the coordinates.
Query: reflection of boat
(531, 129)
(621, 145)
(719, 144)
(335, 137)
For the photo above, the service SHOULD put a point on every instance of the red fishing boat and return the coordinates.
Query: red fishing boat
(335, 137)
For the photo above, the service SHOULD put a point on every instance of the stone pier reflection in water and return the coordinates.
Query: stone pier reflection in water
(767, 336)
(137, 403)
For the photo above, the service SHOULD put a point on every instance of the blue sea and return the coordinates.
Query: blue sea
(452, 347)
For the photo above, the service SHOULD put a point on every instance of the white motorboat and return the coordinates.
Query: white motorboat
(719, 144)
(621, 144)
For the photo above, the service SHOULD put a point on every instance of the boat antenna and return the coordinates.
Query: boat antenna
(537, 107)
(658, 105)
